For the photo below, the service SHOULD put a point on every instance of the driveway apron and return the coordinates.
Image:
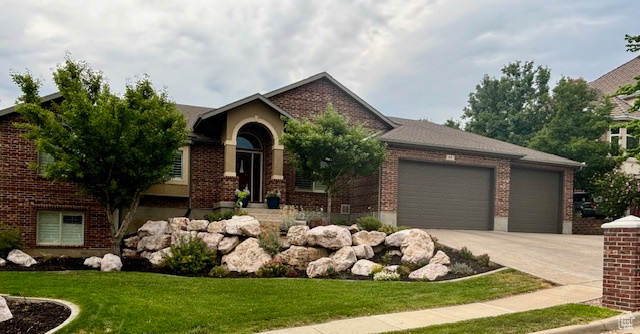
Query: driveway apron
(559, 258)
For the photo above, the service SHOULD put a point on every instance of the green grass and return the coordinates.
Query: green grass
(522, 322)
(130, 302)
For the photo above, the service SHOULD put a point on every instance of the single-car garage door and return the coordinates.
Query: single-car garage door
(444, 196)
(534, 201)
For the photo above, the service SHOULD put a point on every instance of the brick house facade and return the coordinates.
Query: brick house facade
(231, 142)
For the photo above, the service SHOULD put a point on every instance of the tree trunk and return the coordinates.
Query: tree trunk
(118, 233)
(329, 206)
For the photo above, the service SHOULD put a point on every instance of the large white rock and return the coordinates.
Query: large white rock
(128, 252)
(395, 239)
(20, 258)
(417, 247)
(247, 256)
(227, 244)
(299, 257)
(177, 224)
(157, 258)
(178, 237)
(154, 242)
(110, 262)
(5, 313)
(363, 251)
(362, 267)
(440, 258)
(198, 225)
(153, 227)
(320, 267)
(2, 262)
(243, 225)
(132, 242)
(219, 226)
(331, 237)
(297, 235)
(371, 238)
(344, 258)
(93, 262)
(211, 239)
(430, 272)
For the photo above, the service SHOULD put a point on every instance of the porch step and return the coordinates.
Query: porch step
(264, 215)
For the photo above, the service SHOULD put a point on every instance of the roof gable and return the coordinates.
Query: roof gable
(44, 99)
(246, 100)
(624, 74)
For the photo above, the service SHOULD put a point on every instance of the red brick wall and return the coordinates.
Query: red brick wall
(310, 100)
(23, 193)
(587, 226)
(207, 168)
(621, 276)
(363, 193)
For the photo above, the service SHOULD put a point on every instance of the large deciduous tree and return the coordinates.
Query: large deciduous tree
(113, 148)
(331, 151)
(512, 108)
(633, 45)
(580, 118)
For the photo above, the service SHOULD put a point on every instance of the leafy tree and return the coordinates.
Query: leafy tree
(618, 191)
(633, 45)
(113, 148)
(330, 150)
(512, 108)
(579, 119)
(633, 42)
(453, 124)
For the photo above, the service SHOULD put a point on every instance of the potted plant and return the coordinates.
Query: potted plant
(242, 197)
(273, 199)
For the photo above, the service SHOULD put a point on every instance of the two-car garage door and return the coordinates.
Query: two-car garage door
(461, 197)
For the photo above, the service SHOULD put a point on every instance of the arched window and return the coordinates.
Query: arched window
(247, 141)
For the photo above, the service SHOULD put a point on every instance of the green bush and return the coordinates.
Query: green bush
(386, 276)
(483, 260)
(466, 254)
(376, 269)
(273, 268)
(270, 242)
(9, 239)
(369, 223)
(286, 223)
(460, 268)
(404, 271)
(219, 272)
(191, 256)
(217, 216)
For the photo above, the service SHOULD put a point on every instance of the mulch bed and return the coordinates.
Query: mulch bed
(33, 318)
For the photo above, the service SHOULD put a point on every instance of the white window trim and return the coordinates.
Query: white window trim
(185, 168)
(316, 187)
(61, 214)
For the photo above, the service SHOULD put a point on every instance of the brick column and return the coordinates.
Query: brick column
(621, 272)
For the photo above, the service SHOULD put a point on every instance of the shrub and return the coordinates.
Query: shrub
(270, 242)
(466, 254)
(618, 191)
(287, 222)
(369, 223)
(388, 229)
(483, 260)
(315, 222)
(460, 268)
(9, 239)
(387, 257)
(190, 256)
(376, 269)
(386, 276)
(217, 216)
(273, 268)
(404, 271)
(219, 272)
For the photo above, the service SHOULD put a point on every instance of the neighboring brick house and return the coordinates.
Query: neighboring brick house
(434, 177)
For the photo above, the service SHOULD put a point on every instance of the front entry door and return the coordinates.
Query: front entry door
(249, 172)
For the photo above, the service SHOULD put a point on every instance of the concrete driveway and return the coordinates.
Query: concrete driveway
(562, 259)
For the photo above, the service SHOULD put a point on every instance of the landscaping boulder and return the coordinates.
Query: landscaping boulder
(391, 269)
(20, 258)
(132, 242)
(177, 224)
(93, 262)
(153, 227)
(362, 267)
(430, 272)
(154, 242)
(227, 244)
(128, 252)
(331, 237)
(2, 262)
(182, 236)
(217, 227)
(211, 239)
(197, 225)
(110, 262)
(320, 267)
(344, 258)
(297, 235)
(353, 228)
(417, 247)
(284, 242)
(5, 313)
(363, 251)
(157, 258)
(247, 256)
(395, 239)
(440, 258)
(371, 238)
(243, 225)
(299, 257)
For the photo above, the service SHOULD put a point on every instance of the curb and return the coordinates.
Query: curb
(595, 327)
(75, 310)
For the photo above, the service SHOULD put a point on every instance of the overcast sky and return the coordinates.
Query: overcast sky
(413, 59)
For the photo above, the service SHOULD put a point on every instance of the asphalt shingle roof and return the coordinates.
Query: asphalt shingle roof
(622, 75)
(435, 136)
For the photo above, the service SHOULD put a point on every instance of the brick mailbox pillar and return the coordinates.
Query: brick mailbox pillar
(621, 274)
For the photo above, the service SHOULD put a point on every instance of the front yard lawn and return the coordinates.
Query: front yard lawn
(133, 302)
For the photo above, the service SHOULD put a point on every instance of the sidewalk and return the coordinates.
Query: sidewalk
(415, 319)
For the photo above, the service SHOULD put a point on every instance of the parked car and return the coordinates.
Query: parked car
(584, 204)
